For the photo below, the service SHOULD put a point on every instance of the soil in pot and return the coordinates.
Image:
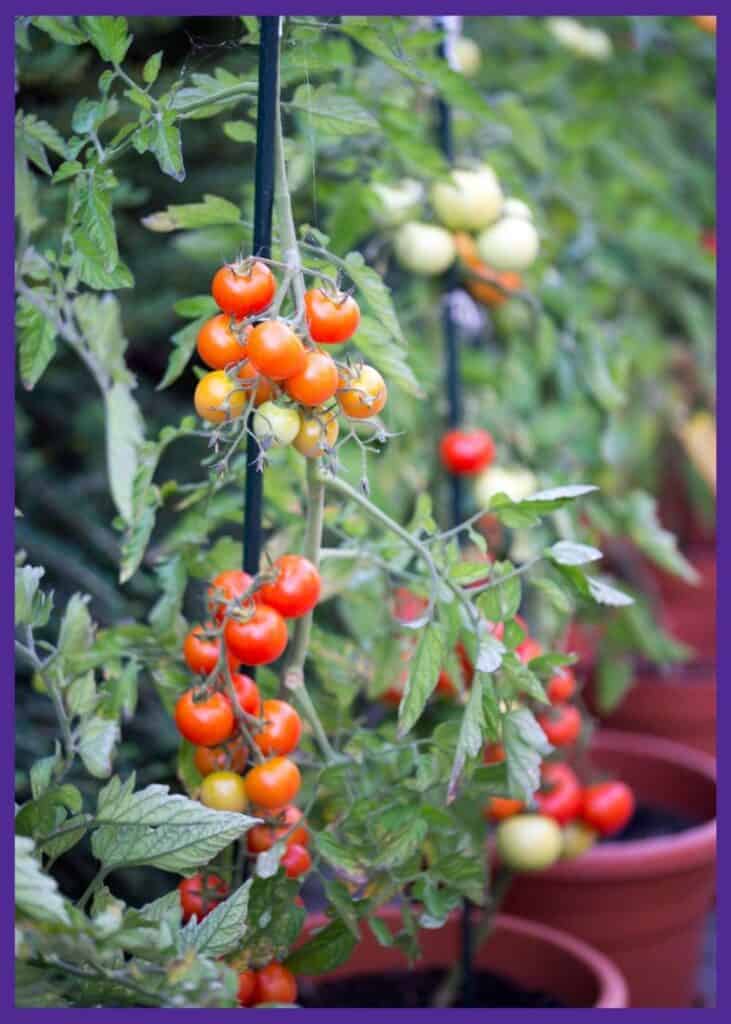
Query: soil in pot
(402, 990)
(650, 822)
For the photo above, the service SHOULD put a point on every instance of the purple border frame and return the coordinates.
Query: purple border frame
(7, 376)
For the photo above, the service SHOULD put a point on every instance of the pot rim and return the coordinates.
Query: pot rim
(639, 858)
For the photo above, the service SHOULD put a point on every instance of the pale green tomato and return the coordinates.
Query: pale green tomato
(277, 424)
(515, 481)
(468, 56)
(510, 244)
(424, 248)
(583, 41)
(578, 837)
(516, 208)
(529, 842)
(468, 200)
(396, 203)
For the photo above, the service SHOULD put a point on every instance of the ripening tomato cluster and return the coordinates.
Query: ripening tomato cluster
(562, 721)
(297, 388)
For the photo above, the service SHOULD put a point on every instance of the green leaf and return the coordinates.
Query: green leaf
(88, 264)
(501, 601)
(165, 142)
(212, 211)
(524, 125)
(97, 221)
(525, 747)
(68, 169)
(151, 68)
(240, 131)
(81, 695)
(383, 934)
(378, 296)
(109, 36)
(325, 951)
(471, 733)
(274, 920)
(401, 844)
(195, 307)
(36, 336)
(330, 110)
(100, 319)
(605, 593)
(36, 893)
(615, 676)
(337, 854)
(640, 516)
(162, 830)
(386, 356)
(76, 633)
(125, 434)
(62, 29)
(184, 342)
(555, 594)
(41, 773)
(567, 552)
(423, 675)
(525, 513)
(97, 740)
(339, 896)
(32, 606)
(222, 930)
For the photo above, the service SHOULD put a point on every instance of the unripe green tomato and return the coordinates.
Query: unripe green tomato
(510, 244)
(529, 842)
(279, 424)
(515, 481)
(224, 791)
(513, 207)
(396, 203)
(424, 248)
(578, 837)
(468, 56)
(468, 200)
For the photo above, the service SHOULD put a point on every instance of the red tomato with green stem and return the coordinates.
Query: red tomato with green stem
(218, 343)
(288, 824)
(201, 651)
(199, 894)
(243, 291)
(276, 351)
(207, 721)
(273, 784)
(466, 452)
(275, 984)
(608, 806)
(247, 988)
(229, 756)
(562, 725)
(296, 860)
(282, 728)
(561, 686)
(229, 585)
(561, 799)
(260, 639)
(331, 319)
(296, 587)
(317, 381)
(247, 693)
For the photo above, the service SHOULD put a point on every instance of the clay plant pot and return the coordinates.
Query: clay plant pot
(644, 903)
(533, 956)
(689, 611)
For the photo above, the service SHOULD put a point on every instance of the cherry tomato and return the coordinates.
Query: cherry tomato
(494, 753)
(228, 757)
(562, 799)
(317, 382)
(561, 687)
(217, 398)
(362, 393)
(465, 452)
(200, 652)
(705, 21)
(578, 837)
(608, 806)
(467, 199)
(242, 293)
(501, 807)
(218, 344)
(289, 823)
(275, 984)
(247, 693)
(275, 425)
(511, 243)
(528, 649)
(259, 640)
(561, 725)
(296, 588)
(246, 989)
(204, 722)
(392, 696)
(493, 287)
(199, 894)
(224, 791)
(408, 606)
(275, 350)
(424, 249)
(529, 842)
(331, 319)
(250, 378)
(226, 587)
(274, 783)
(317, 435)
(282, 728)
(296, 861)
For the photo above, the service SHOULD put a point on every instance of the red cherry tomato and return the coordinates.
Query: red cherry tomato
(218, 344)
(466, 452)
(282, 728)
(200, 652)
(226, 587)
(561, 725)
(608, 806)
(407, 606)
(200, 894)
(561, 687)
(204, 722)
(500, 807)
(247, 693)
(242, 293)
(275, 984)
(275, 350)
(247, 987)
(528, 649)
(226, 757)
(260, 639)
(316, 382)
(296, 588)
(562, 799)
(331, 319)
(273, 784)
(494, 753)
(288, 823)
(296, 861)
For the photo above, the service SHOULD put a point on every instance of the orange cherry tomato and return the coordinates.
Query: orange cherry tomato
(275, 984)
(561, 686)
(204, 722)
(362, 393)
(288, 823)
(217, 398)
(561, 724)
(259, 640)
(275, 350)
(282, 728)
(296, 860)
(501, 807)
(331, 319)
(274, 783)
(247, 693)
(251, 378)
(243, 292)
(317, 434)
(226, 587)
(317, 382)
(296, 588)
(218, 344)
(226, 757)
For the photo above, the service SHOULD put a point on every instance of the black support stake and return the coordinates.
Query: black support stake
(262, 243)
(454, 419)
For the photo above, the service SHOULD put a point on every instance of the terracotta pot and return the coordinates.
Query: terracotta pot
(644, 903)
(532, 955)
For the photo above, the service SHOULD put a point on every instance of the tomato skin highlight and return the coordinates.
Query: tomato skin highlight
(331, 320)
(289, 822)
(466, 452)
(282, 729)
(562, 725)
(260, 640)
(296, 860)
(608, 806)
(275, 984)
(200, 894)
(274, 783)
(296, 589)
(218, 345)
(316, 383)
(207, 722)
(275, 350)
(563, 801)
(243, 294)
(224, 791)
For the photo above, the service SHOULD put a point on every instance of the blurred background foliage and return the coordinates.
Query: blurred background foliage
(616, 158)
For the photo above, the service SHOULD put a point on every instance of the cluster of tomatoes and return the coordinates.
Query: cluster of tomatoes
(247, 628)
(296, 387)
